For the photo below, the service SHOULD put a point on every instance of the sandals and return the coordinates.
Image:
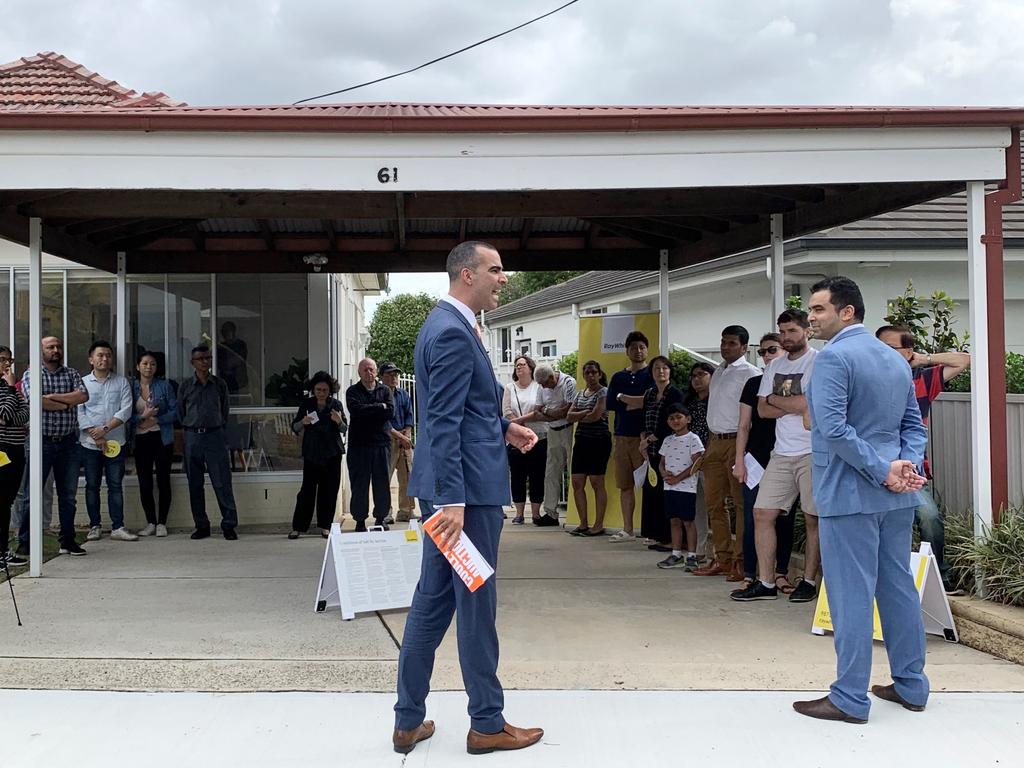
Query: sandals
(580, 530)
(622, 536)
(785, 587)
(598, 532)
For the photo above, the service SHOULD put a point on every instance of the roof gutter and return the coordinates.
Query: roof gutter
(558, 120)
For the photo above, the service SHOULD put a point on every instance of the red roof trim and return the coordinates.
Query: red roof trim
(402, 118)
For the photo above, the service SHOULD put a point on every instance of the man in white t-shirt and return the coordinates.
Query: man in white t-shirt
(558, 391)
(782, 396)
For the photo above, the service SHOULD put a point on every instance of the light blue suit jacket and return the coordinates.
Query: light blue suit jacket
(864, 416)
(460, 443)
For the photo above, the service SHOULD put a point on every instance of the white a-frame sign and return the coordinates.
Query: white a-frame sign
(371, 571)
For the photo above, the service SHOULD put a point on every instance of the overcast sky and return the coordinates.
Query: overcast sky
(897, 52)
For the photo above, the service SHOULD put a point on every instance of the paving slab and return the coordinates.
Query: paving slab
(173, 614)
(582, 728)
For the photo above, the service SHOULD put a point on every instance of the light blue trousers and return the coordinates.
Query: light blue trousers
(863, 557)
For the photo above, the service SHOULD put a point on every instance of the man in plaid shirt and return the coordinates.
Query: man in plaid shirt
(63, 392)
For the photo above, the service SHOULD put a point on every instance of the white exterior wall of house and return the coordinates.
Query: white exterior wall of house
(701, 305)
(335, 321)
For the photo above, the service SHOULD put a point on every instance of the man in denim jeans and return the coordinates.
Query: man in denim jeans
(931, 372)
(63, 391)
(101, 424)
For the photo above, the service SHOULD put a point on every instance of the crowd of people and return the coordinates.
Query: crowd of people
(730, 456)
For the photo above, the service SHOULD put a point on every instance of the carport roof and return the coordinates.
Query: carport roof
(261, 191)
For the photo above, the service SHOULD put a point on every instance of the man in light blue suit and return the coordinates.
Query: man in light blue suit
(460, 476)
(867, 443)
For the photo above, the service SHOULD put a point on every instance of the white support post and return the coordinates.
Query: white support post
(35, 357)
(123, 364)
(663, 344)
(981, 496)
(778, 274)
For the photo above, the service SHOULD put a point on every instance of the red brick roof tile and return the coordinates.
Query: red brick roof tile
(51, 81)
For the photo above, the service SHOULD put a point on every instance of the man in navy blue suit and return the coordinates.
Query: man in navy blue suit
(867, 443)
(460, 476)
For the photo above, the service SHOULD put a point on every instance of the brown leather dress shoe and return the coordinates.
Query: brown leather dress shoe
(736, 574)
(406, 741)
(717, 568)
(510, 738)
(888, 692)
(824, 709)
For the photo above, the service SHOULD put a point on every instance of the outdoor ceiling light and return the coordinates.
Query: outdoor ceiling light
(315, 260)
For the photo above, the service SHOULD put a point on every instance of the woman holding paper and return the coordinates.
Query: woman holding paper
(321, 422)
(653, 522)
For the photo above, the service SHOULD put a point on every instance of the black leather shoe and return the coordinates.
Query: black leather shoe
(405, 741)
(230, 534)
(200, 533)
(360, 526)
(888, 692)
(824, 709)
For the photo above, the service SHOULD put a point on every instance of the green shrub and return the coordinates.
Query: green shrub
(681, 365)
(569, 364)
(1014, 377)
(998, 554)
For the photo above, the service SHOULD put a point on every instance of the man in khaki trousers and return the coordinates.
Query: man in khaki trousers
(401, 440)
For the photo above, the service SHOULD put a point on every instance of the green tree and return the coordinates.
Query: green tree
(569, 363)
(394, 327)
(681, 365)
(931, 324)
(522, 284)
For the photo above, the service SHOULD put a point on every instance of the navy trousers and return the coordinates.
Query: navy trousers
(208, 453)
(439, 595)
(868, 556)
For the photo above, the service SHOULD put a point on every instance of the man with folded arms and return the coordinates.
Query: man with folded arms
(461, 479)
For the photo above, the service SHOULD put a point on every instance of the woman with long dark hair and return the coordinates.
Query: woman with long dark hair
(151, 430)
(521, 405)
(592, 448)
(654, 524)
(320, 420)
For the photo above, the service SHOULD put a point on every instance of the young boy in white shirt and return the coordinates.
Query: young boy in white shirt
(680, 453)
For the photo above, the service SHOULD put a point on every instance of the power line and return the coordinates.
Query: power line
(440, 58)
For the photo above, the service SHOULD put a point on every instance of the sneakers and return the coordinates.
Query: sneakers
(122, 534)
(545, 521)
(756, 591)
(200, 533)
(71, 548)
(804, 592)
(672, 561)
(11, 560)
(94, 534)
(621, 536)
(161, 530)
(951, 590)
(692, 562)
(149, 530)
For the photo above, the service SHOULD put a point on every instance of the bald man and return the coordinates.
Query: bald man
(370, 407)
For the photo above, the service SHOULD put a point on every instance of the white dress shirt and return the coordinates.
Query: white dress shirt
(724, 399)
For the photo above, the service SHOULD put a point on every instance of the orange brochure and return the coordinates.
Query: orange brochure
(463, 557)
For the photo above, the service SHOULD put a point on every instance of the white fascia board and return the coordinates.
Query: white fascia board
(467, 162)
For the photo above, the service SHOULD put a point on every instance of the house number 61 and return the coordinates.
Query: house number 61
(385, 175)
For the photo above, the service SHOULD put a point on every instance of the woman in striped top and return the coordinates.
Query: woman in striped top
(13, 418)
(592, 448)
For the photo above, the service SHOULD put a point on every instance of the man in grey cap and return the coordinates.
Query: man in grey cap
(401, 440)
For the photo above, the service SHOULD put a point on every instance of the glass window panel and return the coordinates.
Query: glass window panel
(263, 441)
(52, 312)
(285, 338)
(92, 308)
(188, 322)
(147, 331)
(5, 308)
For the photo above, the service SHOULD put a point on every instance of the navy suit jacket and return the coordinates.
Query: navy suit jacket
(460, 444)
(864, 416)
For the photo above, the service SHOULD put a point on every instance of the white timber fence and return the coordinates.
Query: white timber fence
(949, 448)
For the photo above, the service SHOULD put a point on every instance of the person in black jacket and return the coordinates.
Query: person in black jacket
(371, 407)
(321, 422)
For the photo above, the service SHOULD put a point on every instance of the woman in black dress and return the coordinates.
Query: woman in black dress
(653, 523)
(321, 422)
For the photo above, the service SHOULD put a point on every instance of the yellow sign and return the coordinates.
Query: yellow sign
(411, 535)
(603, 338)
(823, 618)
(111, 449)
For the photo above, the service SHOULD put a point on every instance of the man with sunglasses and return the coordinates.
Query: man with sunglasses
(203, 409)
(930, 372)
